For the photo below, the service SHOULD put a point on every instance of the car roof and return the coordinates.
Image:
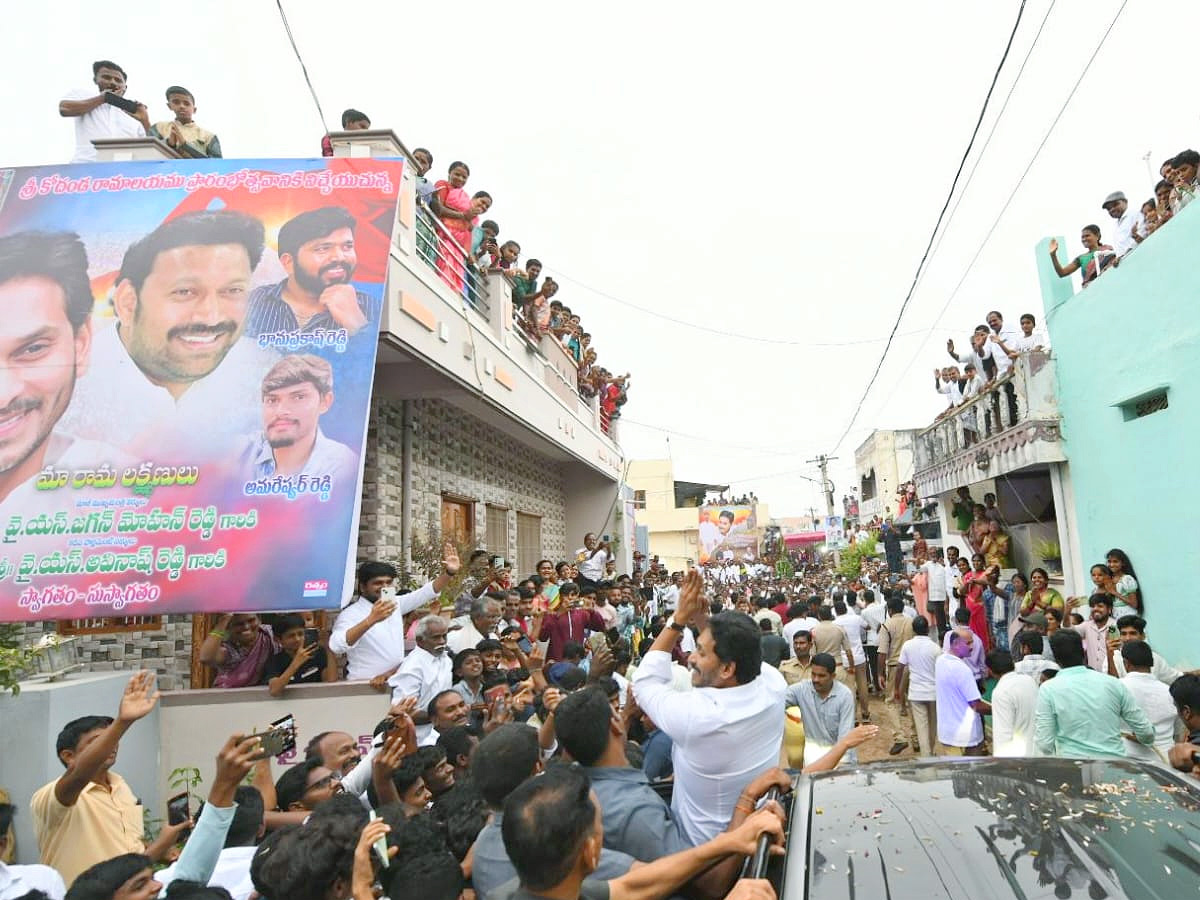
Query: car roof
(995, 829)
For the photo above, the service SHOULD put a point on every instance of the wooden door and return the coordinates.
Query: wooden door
(458, 521)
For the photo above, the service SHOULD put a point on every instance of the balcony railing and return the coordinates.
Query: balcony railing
(1014, 412)
(441, 252)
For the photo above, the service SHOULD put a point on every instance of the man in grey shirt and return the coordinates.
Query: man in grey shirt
(827, 708)
(502, 761)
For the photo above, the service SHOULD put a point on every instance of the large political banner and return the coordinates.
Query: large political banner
(186, 356)
(728, 531)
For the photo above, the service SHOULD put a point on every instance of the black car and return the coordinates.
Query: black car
(985, 829)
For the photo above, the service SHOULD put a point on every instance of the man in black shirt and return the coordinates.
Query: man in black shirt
(299, 662)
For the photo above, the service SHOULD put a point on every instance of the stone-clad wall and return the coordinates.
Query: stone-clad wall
(166, 651)
(459, 455)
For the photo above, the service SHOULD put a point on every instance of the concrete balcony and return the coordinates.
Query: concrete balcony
(460, 342)
(1017, 423)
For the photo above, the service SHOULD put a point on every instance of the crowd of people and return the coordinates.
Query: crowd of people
(451, 237)
(1132, 225)
(986, 367)
(585, 733)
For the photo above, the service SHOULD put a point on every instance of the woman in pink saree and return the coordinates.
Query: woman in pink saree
(458, 212)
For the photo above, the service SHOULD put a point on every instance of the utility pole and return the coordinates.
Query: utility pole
(827, 488)
(823, 462)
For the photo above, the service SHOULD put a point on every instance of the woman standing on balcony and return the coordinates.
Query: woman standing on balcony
(1094, 260)
(457, 212)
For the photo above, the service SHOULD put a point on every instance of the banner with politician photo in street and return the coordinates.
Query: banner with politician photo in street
(728, 532)
(187, 349)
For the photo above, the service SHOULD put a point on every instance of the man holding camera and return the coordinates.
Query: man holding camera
(591, 559)
(104, 115)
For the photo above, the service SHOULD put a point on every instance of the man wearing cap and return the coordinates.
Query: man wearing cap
(1130, 223)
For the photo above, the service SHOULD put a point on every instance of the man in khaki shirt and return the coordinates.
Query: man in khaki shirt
(893, 633)
(832, 639)
(90, 814)
(799, 667)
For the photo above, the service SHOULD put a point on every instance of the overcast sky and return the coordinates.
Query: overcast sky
(770, 170)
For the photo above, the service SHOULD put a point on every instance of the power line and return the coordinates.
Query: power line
(717, 331)
(303, 68)
(1012, 194)
(991, 133)
(710, 439)
(929, 246)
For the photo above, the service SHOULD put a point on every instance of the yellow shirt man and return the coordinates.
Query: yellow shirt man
(102, 823)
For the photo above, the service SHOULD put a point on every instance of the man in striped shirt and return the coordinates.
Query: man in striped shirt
(316, 249)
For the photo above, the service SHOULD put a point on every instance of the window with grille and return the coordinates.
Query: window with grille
(497, 530)
(529, 542)
(639, 499)
(1145, 405)
(110, 625)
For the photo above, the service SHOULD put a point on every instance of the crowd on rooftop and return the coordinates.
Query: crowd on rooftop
(986, 367)
(451, 237)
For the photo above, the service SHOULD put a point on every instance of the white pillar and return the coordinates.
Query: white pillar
(1068, 530)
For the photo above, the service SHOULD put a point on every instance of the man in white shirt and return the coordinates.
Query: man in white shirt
(1014, 707)
(1153, 697)
(479, 624)
(425, 673)
(591, 560)
(918, 657)
(1028, 340)
(873, 613)
(670, 593)
(175, 377)
(854, 626)
(951, 569)
(95, 116)
(1133, 628)
(369, 631)
(17, 881)
(727, 730)
(1128, 220)
(938, 587)
(798, 620)
(945, 381)
(959, 706)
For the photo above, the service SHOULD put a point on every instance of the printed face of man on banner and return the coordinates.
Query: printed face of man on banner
(45, 341)
(181, 295)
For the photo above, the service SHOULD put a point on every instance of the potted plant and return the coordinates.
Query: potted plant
(1051, 554)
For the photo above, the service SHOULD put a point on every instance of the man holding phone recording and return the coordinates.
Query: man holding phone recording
(104, 115)
(369, 631)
